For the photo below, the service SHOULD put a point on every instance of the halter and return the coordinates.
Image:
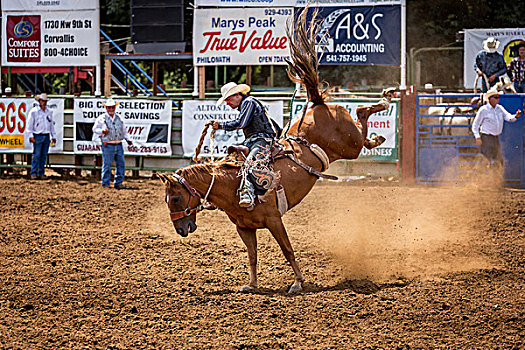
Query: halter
(177, 215)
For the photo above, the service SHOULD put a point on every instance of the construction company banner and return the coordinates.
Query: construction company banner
(252, 36)
(195, 114)
(14, 115)
(509, 39)
(38, 33)
(292, 3)
(148, 124)
(360, 35)
(383, 124)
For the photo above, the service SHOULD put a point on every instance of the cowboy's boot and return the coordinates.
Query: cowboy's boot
(247, 196)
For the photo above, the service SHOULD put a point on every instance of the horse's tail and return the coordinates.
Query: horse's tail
(304, 64)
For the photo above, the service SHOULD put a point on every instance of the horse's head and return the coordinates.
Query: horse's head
(183, 203)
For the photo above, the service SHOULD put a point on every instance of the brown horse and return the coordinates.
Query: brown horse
(330, 127)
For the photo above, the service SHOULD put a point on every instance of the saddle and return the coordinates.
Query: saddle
(277, 151)
(238, 153)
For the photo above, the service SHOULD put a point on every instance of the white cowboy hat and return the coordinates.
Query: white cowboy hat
(110, 103)
(490, 93)
(490, 44)
(42, 97)
(231, 89)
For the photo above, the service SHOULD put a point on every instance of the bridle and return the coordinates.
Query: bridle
(190, 209)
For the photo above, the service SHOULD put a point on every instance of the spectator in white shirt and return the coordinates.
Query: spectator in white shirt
(41, 130)
(488, 125)
(112, 131)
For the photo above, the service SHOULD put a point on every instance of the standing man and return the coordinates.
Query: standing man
(516, 69)
(258, 131)
(490, 63)
(488, 125)
(41, 131)
(112, 131)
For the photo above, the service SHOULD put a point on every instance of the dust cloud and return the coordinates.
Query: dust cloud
(386, 233)
(158, 220)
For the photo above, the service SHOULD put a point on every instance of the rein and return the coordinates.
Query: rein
(201, 141)
(177, 215)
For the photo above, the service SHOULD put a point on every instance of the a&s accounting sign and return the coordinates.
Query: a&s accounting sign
(23, 38)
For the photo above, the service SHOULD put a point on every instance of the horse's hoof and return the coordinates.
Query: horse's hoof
(295, 288)
(246, 288)
(388, 93)
(380, 140)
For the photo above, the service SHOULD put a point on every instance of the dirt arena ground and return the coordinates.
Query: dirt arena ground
(386, 265)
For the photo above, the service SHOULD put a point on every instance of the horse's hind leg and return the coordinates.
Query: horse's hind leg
(249, 238)
(364, 112)
(276, 227)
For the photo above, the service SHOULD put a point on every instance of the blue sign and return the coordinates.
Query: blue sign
(360, 35)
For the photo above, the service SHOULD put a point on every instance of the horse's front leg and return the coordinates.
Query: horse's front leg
(276, 227)
(249, 238)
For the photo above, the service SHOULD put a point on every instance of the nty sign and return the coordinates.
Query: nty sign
(257, 36)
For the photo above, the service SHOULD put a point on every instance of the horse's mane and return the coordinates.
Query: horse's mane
(218, 167)
(304, 65)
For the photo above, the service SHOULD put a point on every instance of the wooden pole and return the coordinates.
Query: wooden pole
(202, 82)
(216, 76)
(155, 78)
(107, 77)
(249, 75)
(78, 161)
(408, 143)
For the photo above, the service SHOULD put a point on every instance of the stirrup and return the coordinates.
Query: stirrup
(246, 200)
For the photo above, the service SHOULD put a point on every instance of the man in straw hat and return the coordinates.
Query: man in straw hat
(516, 69)
(490, 62)
(259, 131)
(41, 131)
(488, 125)
(112, 131)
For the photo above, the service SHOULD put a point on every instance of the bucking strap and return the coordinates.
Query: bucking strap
(311, 170)
(316, 150)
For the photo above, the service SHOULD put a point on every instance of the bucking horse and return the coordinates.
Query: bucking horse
(322, 134)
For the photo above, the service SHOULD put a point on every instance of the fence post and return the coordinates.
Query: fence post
(136, 173)
(78, 161)
(29, 160)
(107, 77)
(202, 81)
(408, 138)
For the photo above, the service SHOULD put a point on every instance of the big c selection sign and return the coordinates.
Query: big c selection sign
(148, 124)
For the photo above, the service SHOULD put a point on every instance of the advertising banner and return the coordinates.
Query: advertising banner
(360, 35)
(14, 114)
(383, 123)
(49, 5)
(321, 3)
(196, 113)
(253, 36)
(509, 39)
(36, 36)
(246, 3)
(148, 124)
(292, 3)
